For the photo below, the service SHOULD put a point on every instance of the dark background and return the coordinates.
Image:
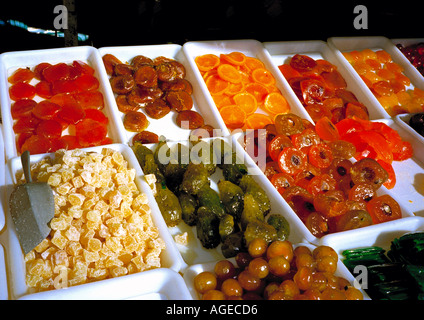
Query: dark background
(143, 22)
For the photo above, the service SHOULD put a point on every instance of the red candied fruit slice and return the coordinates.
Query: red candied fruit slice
(83, 67)
(21, 75)
(302, 63)
(90, 132)
(384, 208)
(37, 144)
(39, 68)
(334, 80)
(66, 142)
(71, 113)
(64, 86)
(320, 155)
(26, 125)
(46, 110)
(49, 129)
(96, 115)
(56, 72)
(379, 144)
(347, 126)
(292, 161)
(21, 90)
(63, 99)
(406, 152)
(44, 89)
(87, 82)
(320, 184)
(22, 108)
(90, 99)
(312, 91)
(22, 137)
(326, 130)
(289, 72)
(356, 110)
(391, 181)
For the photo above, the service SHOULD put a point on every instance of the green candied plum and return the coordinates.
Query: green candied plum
(207, 228)
(189, 207)
(281, 225)
(259, 229)
(168, 205)
(203, 152)
(208, 197)
(227, 226)
(249, 185)
(251, 211)
(234, 172)
(233, 244)
(232, 198)
(195, 177)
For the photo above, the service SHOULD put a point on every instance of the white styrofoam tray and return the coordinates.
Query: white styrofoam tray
(157, 284)
(281, 52)
(3, 279)
(193, 252)
(417, 141)
(194, 270)
(170, 257)
(11, 61)
(2, 180)
(251, 48)
(342, 44)
(165, 126)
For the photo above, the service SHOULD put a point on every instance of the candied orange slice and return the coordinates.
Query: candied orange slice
(222, 100)
(258, 90)
(237, 58)
(253, 63)
(216, 85)
(234, 88)
(229, 73)
(234, 116)
(246, 101)
(275, 103)
(207, 62)
(263, 76)
(257, 121)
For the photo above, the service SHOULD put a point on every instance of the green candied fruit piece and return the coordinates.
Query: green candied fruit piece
(207, 228)
(251, 211)
(227, 226)
(208, 197)
(362, 252)
(233, 244)
(195, 177)
(259, 229)
(281, 225)
(232, 198)
(250, 186)
(168, 205)
(189, 207)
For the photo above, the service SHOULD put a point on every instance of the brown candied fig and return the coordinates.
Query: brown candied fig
(141, 60)
(122, 84)
(123, 69)
(160, 60)
(135, 121)
(179, 69)
(205, 131)
(123, 104)
(166, 72)
(146, 76)
(141, 96)
(110, 61)
(145, 137)
(189, 119)
(179, 100)
(368, 170)
(157, 109)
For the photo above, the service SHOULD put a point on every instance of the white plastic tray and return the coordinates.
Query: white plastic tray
(281, 52)
(194, 253)
(170, 257)
(251, 48)
(341, 44)
(10, 61)
(417, 141)
(2, 180)
(157, 284)
(3, 279)
(167, 125)
(194, 270)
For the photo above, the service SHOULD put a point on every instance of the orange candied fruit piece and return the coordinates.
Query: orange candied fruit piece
(253, 63)
(275, 103)
(383, 56)
(246, 101)
(234, 116)
(257, 121)
(228, 73)
(216, 85)
(222, 100)
(207, 62)
(369, 54)
(258, 90)
(237, 58)
(263, 76)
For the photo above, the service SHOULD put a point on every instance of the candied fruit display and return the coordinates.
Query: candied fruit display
(387, 81)
(415, 54)
(102, 226)
(51, 101)
(321, 89)
(315, 175)
(148, 90)
(244, 91)
(276, 271)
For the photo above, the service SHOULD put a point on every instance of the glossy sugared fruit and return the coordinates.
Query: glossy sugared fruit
(384, 208)
(368, 170)
(205, 281)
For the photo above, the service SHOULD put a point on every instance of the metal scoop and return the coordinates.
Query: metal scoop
(31, 207)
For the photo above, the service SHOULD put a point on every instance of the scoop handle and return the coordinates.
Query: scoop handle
(25, 166)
